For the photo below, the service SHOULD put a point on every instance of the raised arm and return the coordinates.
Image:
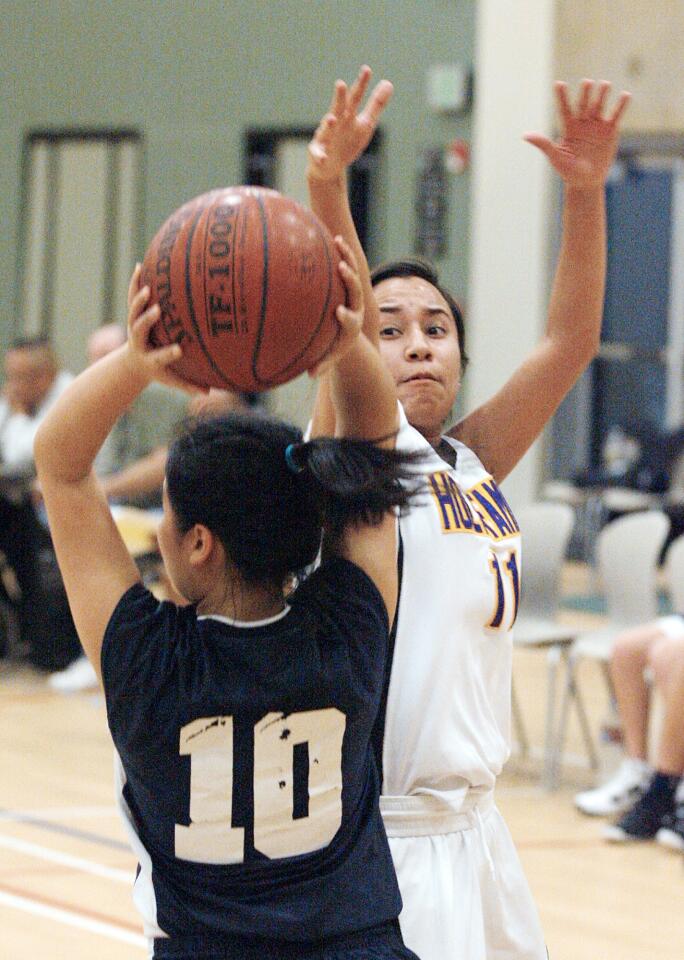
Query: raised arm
(342, 135)
(95, 564)
(504, 427)
(363, 402)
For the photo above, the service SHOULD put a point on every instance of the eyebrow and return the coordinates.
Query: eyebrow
(394, 306)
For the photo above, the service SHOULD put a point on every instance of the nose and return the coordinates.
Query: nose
(418, 346)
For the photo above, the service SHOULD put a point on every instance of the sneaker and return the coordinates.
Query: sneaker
(625, 787)
(78, 676)
(671, 833)
(646, 817)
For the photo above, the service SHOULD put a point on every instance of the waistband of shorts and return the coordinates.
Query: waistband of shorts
(429, 814)
(236, 946)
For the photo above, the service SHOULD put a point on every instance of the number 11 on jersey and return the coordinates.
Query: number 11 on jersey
(506, 591)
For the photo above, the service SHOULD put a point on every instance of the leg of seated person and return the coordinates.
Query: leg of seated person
(656, 808)
(667, 662)
(20, 543)
(628, 662)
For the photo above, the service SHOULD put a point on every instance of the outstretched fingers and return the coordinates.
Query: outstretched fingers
(620, 107)
(563, 100)
(358, 88)
(586, 86)
(377, 102)
(597, 107)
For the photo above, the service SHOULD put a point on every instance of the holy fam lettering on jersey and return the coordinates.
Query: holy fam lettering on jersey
(481, 510)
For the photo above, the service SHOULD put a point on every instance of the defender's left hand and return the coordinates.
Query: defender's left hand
(588, 141)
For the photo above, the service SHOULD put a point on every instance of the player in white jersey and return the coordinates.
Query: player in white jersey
(446, 722)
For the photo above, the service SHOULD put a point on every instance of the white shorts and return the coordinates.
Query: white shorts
(464, 891)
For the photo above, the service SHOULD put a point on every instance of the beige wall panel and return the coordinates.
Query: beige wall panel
(637, 45)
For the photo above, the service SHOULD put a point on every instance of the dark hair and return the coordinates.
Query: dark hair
(231, 474)
(415, 267)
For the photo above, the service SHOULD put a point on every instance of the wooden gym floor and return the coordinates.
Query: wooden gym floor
(66, 870)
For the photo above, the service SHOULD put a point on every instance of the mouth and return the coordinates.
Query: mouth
(420, 377)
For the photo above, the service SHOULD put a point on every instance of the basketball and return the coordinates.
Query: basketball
(247, 282)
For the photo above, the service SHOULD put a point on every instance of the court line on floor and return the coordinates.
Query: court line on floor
(63, 813)
(68, 860)
(65, 914)
(14, 816)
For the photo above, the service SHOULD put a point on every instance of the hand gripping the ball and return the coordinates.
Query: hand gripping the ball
(153, 362)
(349, 315)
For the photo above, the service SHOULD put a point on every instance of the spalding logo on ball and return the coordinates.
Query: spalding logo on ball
(247, 281)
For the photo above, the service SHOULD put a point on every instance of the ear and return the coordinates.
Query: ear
(202, 545)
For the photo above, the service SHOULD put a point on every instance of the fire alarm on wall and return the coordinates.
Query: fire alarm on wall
(449, 87)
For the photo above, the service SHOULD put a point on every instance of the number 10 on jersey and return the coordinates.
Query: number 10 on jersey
(211, 837)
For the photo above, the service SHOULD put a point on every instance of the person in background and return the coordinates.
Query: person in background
(646, 658)
(131, 463)
(33, 382)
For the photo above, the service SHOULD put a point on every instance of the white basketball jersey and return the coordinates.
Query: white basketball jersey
(448, 710)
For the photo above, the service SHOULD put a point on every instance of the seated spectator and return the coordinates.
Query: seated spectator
(33, 381)
(646, 798)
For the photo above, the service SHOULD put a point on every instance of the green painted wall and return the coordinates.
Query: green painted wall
(192, 76)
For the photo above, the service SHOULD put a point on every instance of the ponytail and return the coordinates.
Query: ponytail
(357, 481)
(268, 496)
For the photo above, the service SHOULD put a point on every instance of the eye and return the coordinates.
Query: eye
(389, 331)
(436, 330)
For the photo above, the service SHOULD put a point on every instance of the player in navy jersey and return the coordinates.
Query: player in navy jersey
(242, 722)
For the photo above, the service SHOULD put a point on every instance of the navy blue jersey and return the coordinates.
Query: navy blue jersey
(245, 768)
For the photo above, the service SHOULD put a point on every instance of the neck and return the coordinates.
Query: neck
(239, 600)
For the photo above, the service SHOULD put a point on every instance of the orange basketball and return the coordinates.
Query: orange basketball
(248, 283)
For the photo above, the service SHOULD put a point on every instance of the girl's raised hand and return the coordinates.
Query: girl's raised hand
(349, 315)
(586, 148)
(344, 132)
(154, 362)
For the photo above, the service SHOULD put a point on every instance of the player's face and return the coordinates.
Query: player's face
(419, 344)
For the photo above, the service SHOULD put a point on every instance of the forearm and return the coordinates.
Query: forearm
(576, 304)
(76, 426)
(329, 200)
(142, 477)
(362, 395)
(323, 416)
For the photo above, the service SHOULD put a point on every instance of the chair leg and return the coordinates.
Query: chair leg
(519, 723)
(584, 725)
(571, 693)
(550, 768)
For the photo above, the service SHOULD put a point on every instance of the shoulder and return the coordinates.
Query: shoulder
(141, 639)
(341, 591)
